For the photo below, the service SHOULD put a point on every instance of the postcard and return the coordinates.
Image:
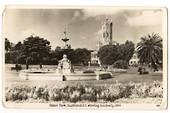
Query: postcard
(84, 57)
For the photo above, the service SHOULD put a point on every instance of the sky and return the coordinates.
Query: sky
(83, 25)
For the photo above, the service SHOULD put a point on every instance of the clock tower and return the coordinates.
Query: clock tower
(106, 32)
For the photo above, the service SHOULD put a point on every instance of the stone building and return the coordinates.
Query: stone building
(94, 57)
(134, 61)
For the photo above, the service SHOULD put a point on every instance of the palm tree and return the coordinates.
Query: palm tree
(149, 50)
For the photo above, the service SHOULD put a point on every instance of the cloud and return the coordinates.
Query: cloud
(76, 15)
(83, 37)
(94, 12)
(146, 18)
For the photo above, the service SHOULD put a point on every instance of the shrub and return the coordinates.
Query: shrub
(108, 92)
(120, 64)
(75, 96)
(55, 94)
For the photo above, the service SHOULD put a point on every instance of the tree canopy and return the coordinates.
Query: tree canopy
(83, 56)
(35, 49)
(76, 56)
(149, 49)
(109, 54)
(127, 50)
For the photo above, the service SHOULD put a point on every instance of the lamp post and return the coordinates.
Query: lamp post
(89, 64)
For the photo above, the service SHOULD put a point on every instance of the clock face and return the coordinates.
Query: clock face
(106, 34)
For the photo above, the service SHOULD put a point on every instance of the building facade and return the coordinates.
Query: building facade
(134, 61)
(94, 57)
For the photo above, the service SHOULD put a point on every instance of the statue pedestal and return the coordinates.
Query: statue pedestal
(66, 71)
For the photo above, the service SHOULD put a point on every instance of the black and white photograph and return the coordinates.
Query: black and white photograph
(84, 57)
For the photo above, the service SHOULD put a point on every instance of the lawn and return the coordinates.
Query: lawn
(11, 77)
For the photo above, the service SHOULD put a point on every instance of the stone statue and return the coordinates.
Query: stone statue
(64, 66)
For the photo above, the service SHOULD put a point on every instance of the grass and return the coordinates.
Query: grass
(11, 77)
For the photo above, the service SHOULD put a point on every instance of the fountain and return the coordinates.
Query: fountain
(64, 72)
(64, 66)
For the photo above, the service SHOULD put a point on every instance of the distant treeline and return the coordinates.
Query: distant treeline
(36, 50)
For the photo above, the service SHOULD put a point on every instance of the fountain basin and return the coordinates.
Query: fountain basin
(53, 75)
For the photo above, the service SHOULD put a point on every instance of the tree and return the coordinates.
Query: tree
(13, 55)
(127, 50)
(7, 57)
(69, 52)
(58, 48)
(7, 45)
(83, 55)
(77, 56)
(120, 64)
(35, 49)
(108, 54)
(51, 59)
(17, 49)
(18, 46)
(149, 50)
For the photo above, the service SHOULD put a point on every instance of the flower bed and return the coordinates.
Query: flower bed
(79, 92)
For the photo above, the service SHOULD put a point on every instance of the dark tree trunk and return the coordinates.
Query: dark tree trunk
(27, 63)
(27, 66)
(16, 67)
(40, 65)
